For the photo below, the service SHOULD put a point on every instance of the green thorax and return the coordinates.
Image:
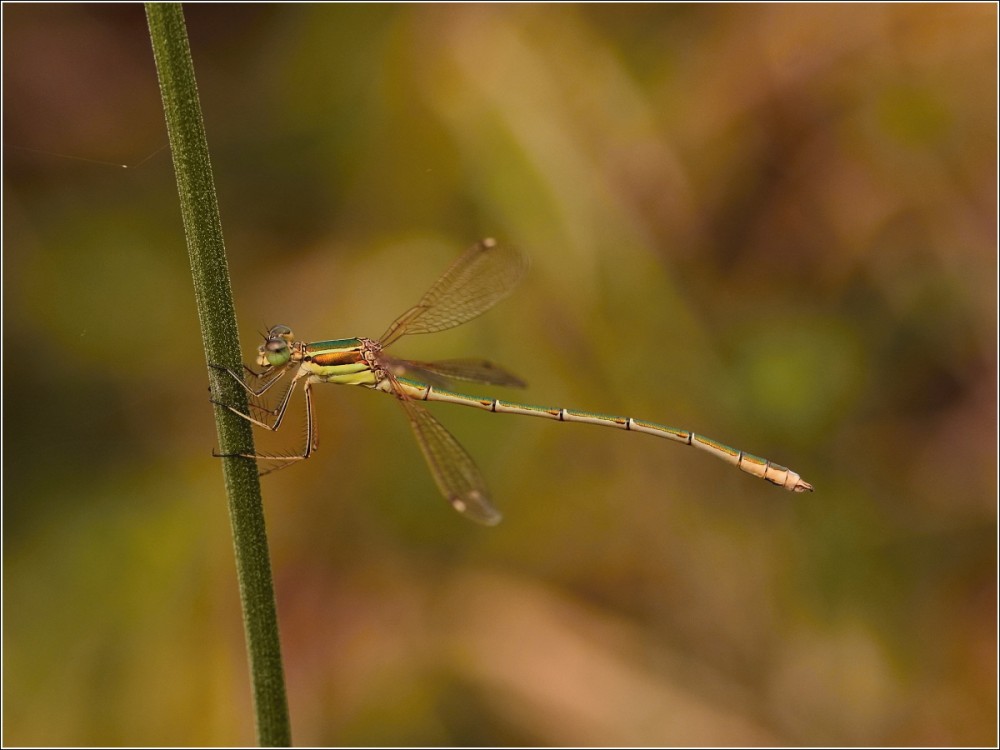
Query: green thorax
(343, 361)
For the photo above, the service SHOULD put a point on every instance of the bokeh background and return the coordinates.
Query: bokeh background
(775, 225)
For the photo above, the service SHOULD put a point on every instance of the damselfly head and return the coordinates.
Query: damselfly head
(276, 349)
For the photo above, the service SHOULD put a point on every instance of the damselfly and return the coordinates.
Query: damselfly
(477, 280)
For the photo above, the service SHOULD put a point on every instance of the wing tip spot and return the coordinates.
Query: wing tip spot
(487, 516)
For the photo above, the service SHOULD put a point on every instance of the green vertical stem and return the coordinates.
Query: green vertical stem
(217, 314)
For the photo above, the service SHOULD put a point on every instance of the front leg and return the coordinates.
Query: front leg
(269, 377)
(272, 377)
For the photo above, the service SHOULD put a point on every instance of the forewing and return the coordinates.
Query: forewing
(482, 276)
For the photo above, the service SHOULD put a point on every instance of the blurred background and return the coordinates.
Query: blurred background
(775, 225)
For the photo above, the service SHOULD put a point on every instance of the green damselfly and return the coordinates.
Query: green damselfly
(477, 280)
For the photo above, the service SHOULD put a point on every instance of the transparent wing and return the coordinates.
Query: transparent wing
(482, 276)
(438, 373)
(452, 467)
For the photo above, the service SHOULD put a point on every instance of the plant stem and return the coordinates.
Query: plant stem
(217, 315)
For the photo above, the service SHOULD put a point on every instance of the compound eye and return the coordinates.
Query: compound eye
(276, 352)
(280, 332)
